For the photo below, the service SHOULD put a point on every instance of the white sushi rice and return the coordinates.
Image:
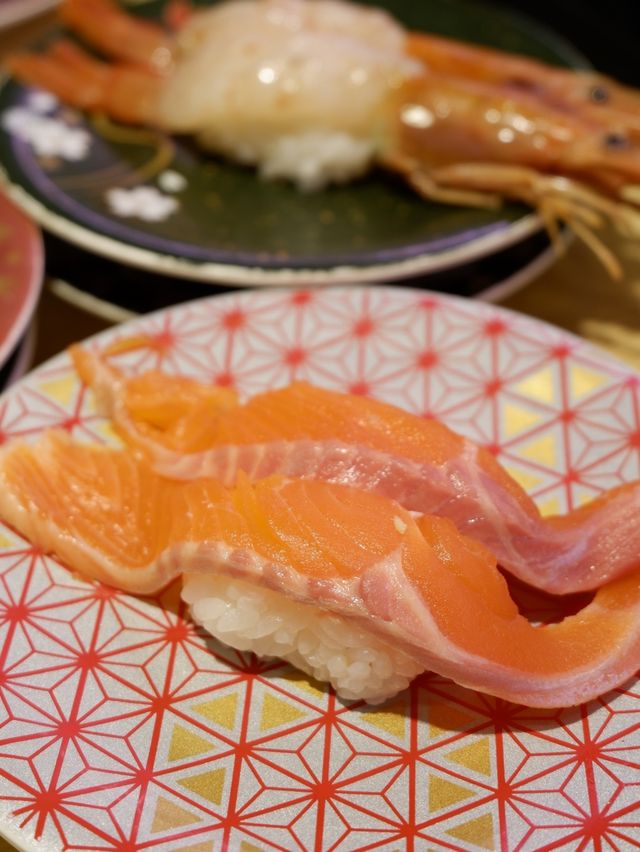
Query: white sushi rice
(310, 159)
(358, 664)
(313, 159)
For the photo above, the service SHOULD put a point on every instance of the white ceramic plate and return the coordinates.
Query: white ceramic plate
(122, 728)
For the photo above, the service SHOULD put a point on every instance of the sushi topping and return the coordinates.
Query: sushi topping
(355, 540)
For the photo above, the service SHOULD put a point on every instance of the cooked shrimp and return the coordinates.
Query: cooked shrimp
(585, 92)
(318, 92)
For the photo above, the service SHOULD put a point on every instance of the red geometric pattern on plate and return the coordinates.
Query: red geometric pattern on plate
(122, 727)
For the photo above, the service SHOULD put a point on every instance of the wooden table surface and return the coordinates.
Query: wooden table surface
(575, 293)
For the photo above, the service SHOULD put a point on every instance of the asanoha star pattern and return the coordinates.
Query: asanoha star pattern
(123, 728)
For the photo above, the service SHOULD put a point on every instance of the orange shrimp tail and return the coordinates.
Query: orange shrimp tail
(124, 93)
(115, 33)
(586, 94)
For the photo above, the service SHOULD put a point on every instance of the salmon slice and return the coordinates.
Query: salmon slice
(305, 431)
(429, 596)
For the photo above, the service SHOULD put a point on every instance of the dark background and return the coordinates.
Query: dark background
(607, 32)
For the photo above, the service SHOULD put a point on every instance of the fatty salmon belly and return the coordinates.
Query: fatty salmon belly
(303, 431)
(343, 583)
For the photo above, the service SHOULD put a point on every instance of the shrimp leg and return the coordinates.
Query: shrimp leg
(558, 200)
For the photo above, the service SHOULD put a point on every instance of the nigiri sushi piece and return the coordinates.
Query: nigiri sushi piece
(309, 432)
(321, 92)
(343, 583)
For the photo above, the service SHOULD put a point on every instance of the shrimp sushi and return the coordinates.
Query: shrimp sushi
(321, 92)
(342, 583)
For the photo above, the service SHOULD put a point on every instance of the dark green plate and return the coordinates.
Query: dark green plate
(229, 226)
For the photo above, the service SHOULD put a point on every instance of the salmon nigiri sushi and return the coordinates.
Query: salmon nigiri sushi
(344, 584)
(188, 430)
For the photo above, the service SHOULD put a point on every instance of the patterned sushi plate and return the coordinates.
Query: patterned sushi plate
(155, 202)
(21, 273)
(122, 728)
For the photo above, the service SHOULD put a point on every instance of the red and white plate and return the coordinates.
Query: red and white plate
(21, 272)
(122, 728)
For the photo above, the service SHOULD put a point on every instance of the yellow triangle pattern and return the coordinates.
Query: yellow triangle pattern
(276, 712)
(583, 497)
(106, 431)
(168, 816)
(249, 847)
(209, 785)
(222, 711)
(525, 478)
(4, 541)
(478, 831)
(444, 793)
(539, 386)
(303, 681)
(550, 506)
(392, 720)
(444, 718)
(475, 756)
(62, 390)
(543, 450)
(185, 743)
(584, 382)
(517, 419)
